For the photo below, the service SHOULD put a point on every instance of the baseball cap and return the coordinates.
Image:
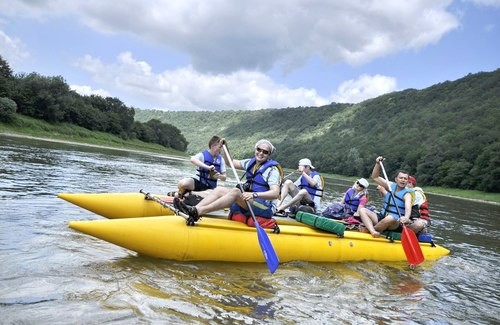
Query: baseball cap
(305, 162)
(363, 182)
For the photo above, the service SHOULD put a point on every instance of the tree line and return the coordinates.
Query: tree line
(51, 99)
(447, 135)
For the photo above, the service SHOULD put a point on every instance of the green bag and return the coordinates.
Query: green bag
(321, 223)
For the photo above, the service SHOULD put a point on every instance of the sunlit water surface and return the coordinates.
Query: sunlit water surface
(51, 274)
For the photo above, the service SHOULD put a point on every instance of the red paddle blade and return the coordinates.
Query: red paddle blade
(411, 247)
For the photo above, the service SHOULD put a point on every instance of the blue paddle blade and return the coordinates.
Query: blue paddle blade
(267, 249)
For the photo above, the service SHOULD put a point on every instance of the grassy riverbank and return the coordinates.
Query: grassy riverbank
(26, 126)
(473, 195)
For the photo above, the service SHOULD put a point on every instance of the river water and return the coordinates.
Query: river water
(51, 274)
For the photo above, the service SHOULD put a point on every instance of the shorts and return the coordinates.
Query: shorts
(423, 221)
(380, 216)
(306, 201)
(198, 186)
(260, 207)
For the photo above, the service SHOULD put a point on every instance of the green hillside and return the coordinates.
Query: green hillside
(447, 134)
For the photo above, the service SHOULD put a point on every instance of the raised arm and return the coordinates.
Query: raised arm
(376, 174)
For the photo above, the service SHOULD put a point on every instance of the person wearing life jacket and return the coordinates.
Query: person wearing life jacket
(211, 168)
(420, 208)
(306, 190)
(392, 213)
(261, 190)
(353, 199)
(356, 197)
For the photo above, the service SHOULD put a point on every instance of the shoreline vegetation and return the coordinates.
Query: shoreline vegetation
(71, 134)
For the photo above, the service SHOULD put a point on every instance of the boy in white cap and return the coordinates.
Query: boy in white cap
(306, 190)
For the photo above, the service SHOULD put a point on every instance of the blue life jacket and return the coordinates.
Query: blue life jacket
(255, 181)
(390, 207)
(313, 191)
(204, 174)
(352, 200)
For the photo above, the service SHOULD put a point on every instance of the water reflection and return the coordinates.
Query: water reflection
(48, 270)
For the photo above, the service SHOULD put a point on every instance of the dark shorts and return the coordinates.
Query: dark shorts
(198, 186)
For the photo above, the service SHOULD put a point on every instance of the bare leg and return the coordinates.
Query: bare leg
(417, 226)
(288, 187)
(368, 218)
(220, 202)
(303, 194)
(185, 185)
(203, 194)
(213, 195)
(388, 222)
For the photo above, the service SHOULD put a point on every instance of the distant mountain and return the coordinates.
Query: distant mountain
(447, 134)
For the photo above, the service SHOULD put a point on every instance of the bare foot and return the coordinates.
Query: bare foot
(363, 229)
(375, 234)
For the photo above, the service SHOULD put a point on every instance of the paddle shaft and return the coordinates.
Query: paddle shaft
(390, 189)
(409, 240)
(265, 244)
(240, 186)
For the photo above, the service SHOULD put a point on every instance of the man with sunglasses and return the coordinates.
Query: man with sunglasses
(307, 190)
(261, 189)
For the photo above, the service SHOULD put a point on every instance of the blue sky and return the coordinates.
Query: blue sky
(217, 55)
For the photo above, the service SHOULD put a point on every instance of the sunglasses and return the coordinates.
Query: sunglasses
(265, 152)
(360, 185)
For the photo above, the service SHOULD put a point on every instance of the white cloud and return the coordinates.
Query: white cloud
(364, 87)
(226, 35)
(12, 49)
(188, 89)
(87, 91)
(231, 44)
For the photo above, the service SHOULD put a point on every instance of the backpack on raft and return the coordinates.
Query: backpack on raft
(309, 208)
(337, 211)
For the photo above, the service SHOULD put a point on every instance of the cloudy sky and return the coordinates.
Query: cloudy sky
(240, 54)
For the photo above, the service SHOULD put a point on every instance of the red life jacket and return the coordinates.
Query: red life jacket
(424, 211)
(268, 223)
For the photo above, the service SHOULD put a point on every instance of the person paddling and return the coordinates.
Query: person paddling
(389, 217)
(261, 190)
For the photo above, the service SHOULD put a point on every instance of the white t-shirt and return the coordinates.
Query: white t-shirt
(319, 190)
(201, 158)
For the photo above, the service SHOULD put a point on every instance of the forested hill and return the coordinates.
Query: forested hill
(447, 135)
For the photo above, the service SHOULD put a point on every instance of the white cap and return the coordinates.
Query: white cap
(306, 162)
(363, 182)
